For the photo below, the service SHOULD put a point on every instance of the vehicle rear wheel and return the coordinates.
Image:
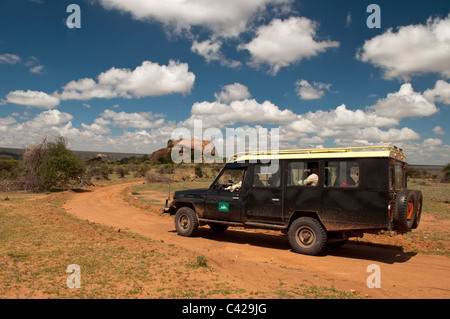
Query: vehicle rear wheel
(307, 236)
(405, 209)
(218, 228)
(418, 206)
(186, 222)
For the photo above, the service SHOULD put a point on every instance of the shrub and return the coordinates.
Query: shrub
(50, 164)
(8, 167)
(198, 171)
(446, 171)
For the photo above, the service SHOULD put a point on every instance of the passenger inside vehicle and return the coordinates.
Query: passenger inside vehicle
(313, 178)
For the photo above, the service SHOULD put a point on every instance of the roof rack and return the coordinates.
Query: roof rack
(391, 151)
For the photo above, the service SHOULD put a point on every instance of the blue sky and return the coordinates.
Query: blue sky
(137, 70)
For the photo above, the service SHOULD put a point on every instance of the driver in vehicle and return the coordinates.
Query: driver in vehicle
(234, 187)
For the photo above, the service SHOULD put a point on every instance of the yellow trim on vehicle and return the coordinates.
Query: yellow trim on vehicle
(347, 152)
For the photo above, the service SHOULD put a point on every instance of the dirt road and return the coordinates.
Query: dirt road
(260, 259)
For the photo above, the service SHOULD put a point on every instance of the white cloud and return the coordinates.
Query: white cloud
(440, 93)
(30, 62)
(233, 92)
(99, 126)
(50, 118)
(149, 79)
(412, 49)
(432, 142)
(143, 120)
(8, 58)
(404, 103)
(223, 18)
(284, 42)
(348, 20)
(307, 91)
(7, 121)
(210, 50)
(38, 69)
(32, 98)
(374, 134)
(430, 151)
(220, 115)
(342, 117)
(438, 130)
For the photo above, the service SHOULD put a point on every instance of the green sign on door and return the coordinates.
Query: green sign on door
(223, 207)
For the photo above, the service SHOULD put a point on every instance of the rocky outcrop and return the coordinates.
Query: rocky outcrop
(192, 144)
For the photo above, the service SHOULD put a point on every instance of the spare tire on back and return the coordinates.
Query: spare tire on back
(418, 208)
(405, 211)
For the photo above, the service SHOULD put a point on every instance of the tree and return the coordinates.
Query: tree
(50, 164)
(8, 167)
(61, 166)
(446, 171)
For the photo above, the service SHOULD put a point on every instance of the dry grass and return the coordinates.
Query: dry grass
(39, 240)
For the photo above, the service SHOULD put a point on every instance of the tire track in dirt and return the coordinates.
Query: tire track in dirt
(261, 259)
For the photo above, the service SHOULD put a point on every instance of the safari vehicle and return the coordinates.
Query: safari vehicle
(354, 191)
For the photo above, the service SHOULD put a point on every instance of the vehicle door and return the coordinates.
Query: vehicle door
(265, 201)
(303, 187)
(227, 196)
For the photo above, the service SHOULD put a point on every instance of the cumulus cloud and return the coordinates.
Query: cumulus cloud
(32, 98)
(211, 51)
(99, 127)
(148, 79)
(440, 93)
(145, 132)
(143, 120)
(90, 137)
(374, 134)
(284, 42)
(438, 130)
(233, 92)
(404, 103)
(223, 18)
(220, 115)
(410, 50)
(307, 91)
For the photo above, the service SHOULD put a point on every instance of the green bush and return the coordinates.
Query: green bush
(446, 171)
(50, 164)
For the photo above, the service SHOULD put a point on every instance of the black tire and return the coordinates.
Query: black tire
(307, 236)
(217, 228)
(404, 213)
(418, 209)
(186, 222)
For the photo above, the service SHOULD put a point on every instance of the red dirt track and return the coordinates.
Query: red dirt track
(257, 259)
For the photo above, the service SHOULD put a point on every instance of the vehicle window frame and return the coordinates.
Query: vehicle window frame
(265, 186)
(340, 184)
(306, 164)
(223, 172)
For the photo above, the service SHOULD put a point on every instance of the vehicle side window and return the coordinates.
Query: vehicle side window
(303, 173)
(230, 180)
(342, 174)
(263, 179)
(399, 177)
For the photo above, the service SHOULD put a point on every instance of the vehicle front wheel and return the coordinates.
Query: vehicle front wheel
(186, 222)
(307, 236)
